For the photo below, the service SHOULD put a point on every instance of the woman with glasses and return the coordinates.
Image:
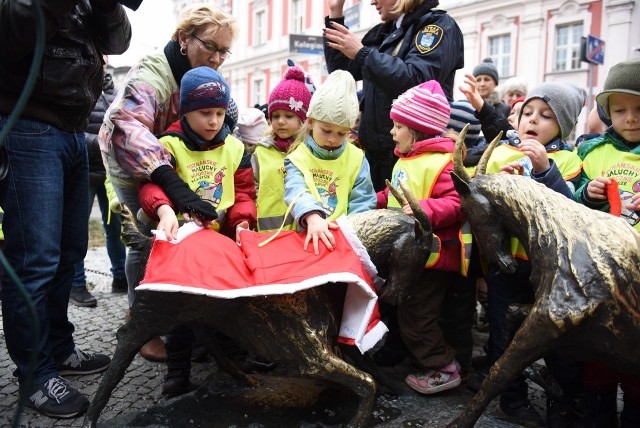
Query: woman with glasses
(147, 104)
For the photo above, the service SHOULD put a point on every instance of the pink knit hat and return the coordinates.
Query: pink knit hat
(424, 108)
(291, 94)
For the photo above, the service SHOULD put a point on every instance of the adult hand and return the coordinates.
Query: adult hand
(340, 38)
(185, 199)
(336, 8)
(537, 153)
(470, 90)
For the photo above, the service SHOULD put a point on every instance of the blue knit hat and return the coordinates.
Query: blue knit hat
(202, 88)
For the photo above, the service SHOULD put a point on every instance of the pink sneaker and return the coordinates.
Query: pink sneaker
(433, 381)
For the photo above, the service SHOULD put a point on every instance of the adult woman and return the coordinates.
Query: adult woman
(148, 104)
(487, 79)
(413, 44)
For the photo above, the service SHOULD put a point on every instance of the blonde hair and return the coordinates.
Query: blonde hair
(204, 15)
(407, 6)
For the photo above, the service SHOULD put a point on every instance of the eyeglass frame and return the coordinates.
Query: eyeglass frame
(212, 48)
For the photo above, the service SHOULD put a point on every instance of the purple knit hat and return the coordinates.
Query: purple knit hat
(424, 108)
(291, 94)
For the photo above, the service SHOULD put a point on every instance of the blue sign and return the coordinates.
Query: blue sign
(595, 50)
(352, 16)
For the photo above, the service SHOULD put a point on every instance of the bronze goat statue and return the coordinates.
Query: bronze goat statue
(298, 328)
(585, 273)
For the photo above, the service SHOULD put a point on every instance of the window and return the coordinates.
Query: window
(568, 47)
(297, 16)
(260, 27)
(500, 53)
(257, 92)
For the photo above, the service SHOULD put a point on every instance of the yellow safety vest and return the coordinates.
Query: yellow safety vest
(1, 231)
(209, 173)
(420, 174)
(568, 164)
(329, 180)
(270, 202)
(606, 161)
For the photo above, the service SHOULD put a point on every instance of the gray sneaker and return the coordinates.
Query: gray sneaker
(58, 399)
(81, 363)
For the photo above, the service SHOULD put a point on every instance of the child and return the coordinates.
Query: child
(287, 110)
(251, 128)
(420, 115)
(548, 115)
(614, 155)
(325, 175)
(212, 179)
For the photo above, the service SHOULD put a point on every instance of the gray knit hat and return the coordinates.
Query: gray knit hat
(623, 77)
(487, 68)
(565, 99)
(335, 101)
(462, 113)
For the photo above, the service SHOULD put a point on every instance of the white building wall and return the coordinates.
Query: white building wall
(531, 25)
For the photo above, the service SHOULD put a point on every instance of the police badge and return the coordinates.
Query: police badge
(429, 38)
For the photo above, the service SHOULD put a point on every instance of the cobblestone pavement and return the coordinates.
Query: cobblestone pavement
(136, 401)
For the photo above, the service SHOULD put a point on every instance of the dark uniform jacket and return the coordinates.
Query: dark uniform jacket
(430, 48)
(70, 77)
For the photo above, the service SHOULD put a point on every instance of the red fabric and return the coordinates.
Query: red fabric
(151, 196)
(209, 263)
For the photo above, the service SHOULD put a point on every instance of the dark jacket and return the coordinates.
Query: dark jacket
(97, 172)
(70, 77)
(421, 56)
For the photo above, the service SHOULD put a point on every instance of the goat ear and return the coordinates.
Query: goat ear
(461, 186)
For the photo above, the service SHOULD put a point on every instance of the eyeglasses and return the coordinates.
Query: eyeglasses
(212, 48)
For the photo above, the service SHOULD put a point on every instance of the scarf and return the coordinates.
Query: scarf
(282, 144)
(179, 63)
(196, 143)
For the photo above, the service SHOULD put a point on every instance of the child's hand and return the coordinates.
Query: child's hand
(470, 90)
(537, 153)
(198, 220)
(243, 225)
(318, 228)
(513, 168)
(634, 204)
(407, 210)
(168, 222)
(597, 188)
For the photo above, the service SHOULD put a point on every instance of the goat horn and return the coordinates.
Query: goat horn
(131, 235)
(484, 160)
(418, 212)
(458, 167)
(396, 193)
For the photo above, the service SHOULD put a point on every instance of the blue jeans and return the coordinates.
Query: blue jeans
(44, 197)
(115, 248)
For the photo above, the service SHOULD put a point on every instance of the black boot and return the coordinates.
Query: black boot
(600, 409)
(176, 381)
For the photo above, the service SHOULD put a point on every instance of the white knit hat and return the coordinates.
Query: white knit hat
(251, 125)
(336, 101)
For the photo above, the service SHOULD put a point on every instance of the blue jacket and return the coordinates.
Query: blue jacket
(422, 56)
(362, 197)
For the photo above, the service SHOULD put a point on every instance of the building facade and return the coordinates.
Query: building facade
(539, 40)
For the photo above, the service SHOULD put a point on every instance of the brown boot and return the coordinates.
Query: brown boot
(154, 350)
